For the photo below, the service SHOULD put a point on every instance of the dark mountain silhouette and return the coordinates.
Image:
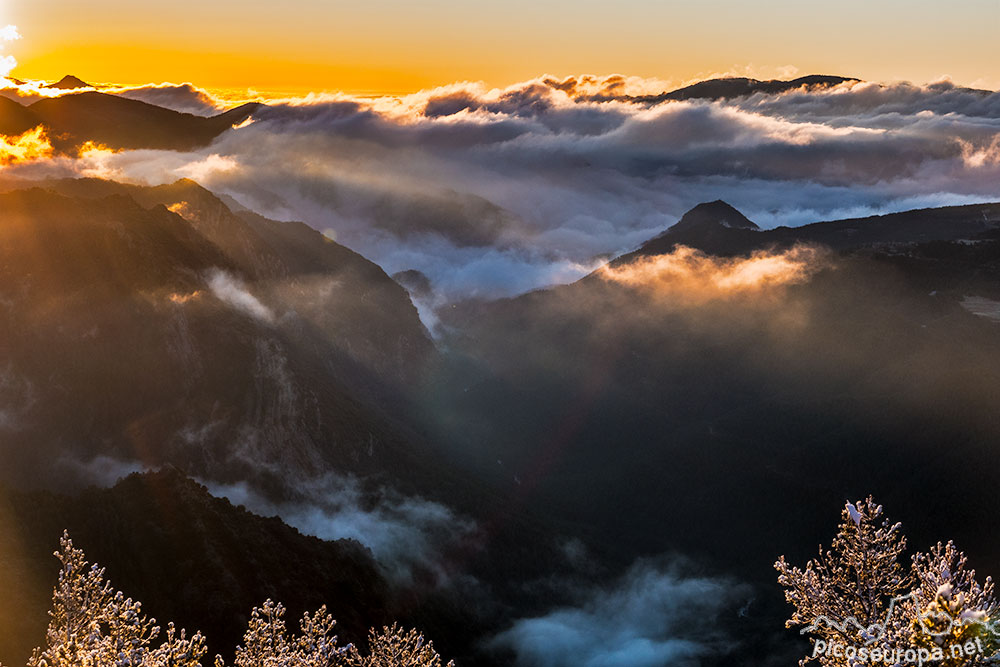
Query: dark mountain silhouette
(732, 87)
(69, 82)
(15, 118)
(120, 123)
(375, 321)
(712, 214)
(189, 557)
(153, 324)
(707, 228)
(116, 122)
(724, 88)
(199, 339)
(416, 283)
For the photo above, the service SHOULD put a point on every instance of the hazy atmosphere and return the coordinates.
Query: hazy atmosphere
(525, 334)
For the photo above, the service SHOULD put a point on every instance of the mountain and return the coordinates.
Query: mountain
(711, 227)
(237, 347)
(116, 122)
(731, 87)
(415, 282)
(189, 557)
(122, 123)
(369, 314)
(709, 215)
(69, 82)
(154, 327)
(680, 410)
(15, 118)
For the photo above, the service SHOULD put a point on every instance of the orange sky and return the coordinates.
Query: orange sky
(397, 46)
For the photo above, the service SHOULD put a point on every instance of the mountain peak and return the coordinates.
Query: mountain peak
(739, 86)
(712, 214)
(69, 82)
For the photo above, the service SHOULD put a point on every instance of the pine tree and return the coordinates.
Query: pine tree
(92, 625)
(846, 592)
(267, 643)
(394, 647)
(859, 596)
(949, 607)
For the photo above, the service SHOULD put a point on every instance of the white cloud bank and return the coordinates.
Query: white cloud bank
(497, 191)
(653, 616)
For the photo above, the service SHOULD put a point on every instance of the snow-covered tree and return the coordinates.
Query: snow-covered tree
(92, 625)
(267, 642)
(861, 604)
(949, 607)
(845, 593)
(395, 647)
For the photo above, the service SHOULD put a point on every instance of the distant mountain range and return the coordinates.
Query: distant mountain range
(732, 87)
(719, 229)
(120, 123)
(116, 122)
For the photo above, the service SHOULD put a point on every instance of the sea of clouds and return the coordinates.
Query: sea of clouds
(493, 192)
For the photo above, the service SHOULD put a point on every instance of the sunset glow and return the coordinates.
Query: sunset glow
(691, 275)
(382, 47)
(535, 333)
(32, 145)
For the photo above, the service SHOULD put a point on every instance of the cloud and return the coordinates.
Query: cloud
(230, 290)
(656, 614)
(690, 275)
(409, 536)
(103, 471)
(494, 191)
(32, 145)
(184, 97)
(8, 33)
(406, 534)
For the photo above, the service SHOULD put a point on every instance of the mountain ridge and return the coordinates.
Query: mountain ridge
(205, 335)
(944, 223)
(117, 122)
(69, 82)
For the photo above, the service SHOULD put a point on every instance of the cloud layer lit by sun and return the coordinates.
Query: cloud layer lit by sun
(32, 145)
(690, 275)
(496, 190)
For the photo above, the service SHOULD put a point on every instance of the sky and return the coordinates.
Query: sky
(390, 46)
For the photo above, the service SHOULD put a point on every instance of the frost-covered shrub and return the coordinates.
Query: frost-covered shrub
(395, 647)
(93, 625)
(859, 596)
